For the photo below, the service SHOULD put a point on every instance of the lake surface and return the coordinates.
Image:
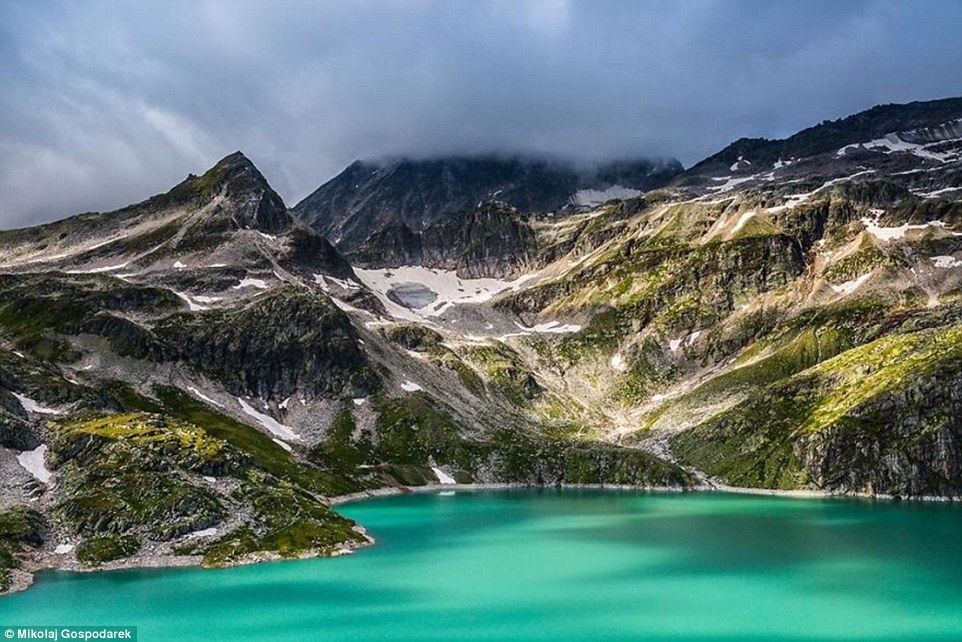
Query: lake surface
(561, 565)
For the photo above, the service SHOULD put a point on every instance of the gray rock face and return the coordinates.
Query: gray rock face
(925, 135)
(906, 443)
(288, 341)
(430, 211)
(15, 430)
(253, 203)
(493, 239)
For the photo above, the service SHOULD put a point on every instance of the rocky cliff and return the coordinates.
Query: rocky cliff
(390, 213)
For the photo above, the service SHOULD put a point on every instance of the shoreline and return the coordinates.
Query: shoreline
(812, 493)
(818, 494)
(23, 578)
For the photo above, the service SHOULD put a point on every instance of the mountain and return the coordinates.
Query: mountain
(421, 212)
(913, 145)
(194, 377)
(786, 315)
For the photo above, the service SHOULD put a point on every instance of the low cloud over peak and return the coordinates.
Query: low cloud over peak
(105, 104)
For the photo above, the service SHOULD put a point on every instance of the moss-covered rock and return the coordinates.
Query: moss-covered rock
(132, 478)
(124, 474)
(881, 417)
(505, 372)
(21, 529)
(285, 521)
(413, 429)
(99, 550)
(414, 337)
(264, 452)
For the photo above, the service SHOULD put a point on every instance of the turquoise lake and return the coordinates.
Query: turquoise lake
(561, 565)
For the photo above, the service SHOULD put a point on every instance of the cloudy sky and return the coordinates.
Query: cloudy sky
(105, 103)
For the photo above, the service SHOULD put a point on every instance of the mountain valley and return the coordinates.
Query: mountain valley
(192, 379)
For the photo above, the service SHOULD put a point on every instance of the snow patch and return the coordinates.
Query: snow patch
(618, 363)
(741, 163)
(939, 192)
(191, 305)
(207, 532)
(345, 307)
(893, 143)
(675, 344)
(551, 327)
(850, 286)
(893, 233)
(443, 477)
(409, 386)
(844, 150)
(260, 284)
(797, 199)
(729, 184)
(554, 327)
(32, 406)
(323, 280)
(32, 461)
(109, 268)
(179, 266)
(844, 179)
(449, 288)
(791, 201)
(204, 397)
(63, 549)
(359, 401)
(946, 262)
(283, 444)
(268, 422)
(742, 220)
(108, 242)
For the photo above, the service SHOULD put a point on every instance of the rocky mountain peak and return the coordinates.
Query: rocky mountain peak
(915, 123)
(228, 217)
(397, 201)
(917, 146)
(246, 194)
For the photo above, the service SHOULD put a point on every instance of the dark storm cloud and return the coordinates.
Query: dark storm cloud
(106, 103)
